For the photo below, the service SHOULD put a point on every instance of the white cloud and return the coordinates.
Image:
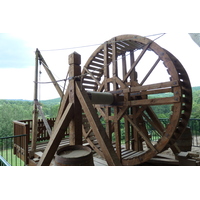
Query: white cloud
(18, 83)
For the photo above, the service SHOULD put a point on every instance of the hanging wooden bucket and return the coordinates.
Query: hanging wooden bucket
(185, 141)
(75, 155)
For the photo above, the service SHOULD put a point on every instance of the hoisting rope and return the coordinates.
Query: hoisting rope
(90, 45)
(78, 77)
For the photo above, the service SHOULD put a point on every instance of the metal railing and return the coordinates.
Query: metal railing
(3, 162)
(13, 154)
(8, 152)
(194, 125)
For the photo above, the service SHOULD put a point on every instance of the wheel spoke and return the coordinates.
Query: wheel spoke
(144, 137)
(155, 121)
(153, 124)
(135, 97)
(150, 71)
(137, 61)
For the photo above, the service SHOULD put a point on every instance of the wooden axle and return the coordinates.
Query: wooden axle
(120, 75)
(101, 97)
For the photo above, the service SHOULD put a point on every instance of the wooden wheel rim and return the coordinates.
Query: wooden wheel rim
(99, 77)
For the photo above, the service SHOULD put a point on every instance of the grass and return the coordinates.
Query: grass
(9, 156)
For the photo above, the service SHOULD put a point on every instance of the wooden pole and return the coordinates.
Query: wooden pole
(50, 75)
(76, 123)
(35, 109)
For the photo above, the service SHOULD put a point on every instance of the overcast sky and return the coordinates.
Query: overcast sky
(18, 54)
(82, 23)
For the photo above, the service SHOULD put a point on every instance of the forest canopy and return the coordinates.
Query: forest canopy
(11, 110)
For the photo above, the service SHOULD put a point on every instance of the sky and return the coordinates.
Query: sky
(17, 59)
(56, 26)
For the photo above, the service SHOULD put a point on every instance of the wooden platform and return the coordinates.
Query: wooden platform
(97, 161)
(159, 160)
(41, 146)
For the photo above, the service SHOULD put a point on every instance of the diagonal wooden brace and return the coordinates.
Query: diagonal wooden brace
(56, 136)
(98, 129)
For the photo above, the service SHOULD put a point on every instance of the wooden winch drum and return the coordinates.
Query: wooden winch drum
(74, 155)
(185, 141)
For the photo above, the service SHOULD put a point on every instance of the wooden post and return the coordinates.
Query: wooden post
(75, 126)
(35, 109)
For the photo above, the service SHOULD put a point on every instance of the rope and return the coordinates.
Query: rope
(79, 47)
(78, 77)
(70, 78)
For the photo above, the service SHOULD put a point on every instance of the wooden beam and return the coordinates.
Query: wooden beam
(97, 127)
(137, 61)
(75, 128)
(50, 75)
(91, 74)
(57, 135)
(154, 86)
(35, 109)
(151, 102)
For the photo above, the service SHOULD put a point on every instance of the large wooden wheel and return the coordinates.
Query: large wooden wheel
(145, 80)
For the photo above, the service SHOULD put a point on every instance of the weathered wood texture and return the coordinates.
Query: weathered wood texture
(113, 68)
(22, 147)
(76, 122)
(117, 66)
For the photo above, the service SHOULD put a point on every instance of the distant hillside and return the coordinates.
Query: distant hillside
(195, 88)
(17, 109)
(51, 102)
(56, 101)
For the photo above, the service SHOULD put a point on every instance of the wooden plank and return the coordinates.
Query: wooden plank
(97, 128)
(96, 60)
(92, 75)
(95, 69)
(154, 86)
(96, 64)
(99, 162)
(151, 102)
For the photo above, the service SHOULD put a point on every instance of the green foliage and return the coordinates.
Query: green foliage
(11, 110)
(196, 103)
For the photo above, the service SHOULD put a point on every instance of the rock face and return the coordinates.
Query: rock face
(195, 37)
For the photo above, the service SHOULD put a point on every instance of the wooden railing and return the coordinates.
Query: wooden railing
(24, 127)
(21, 143)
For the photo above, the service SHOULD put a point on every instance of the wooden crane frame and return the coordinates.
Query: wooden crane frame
(109, 89)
